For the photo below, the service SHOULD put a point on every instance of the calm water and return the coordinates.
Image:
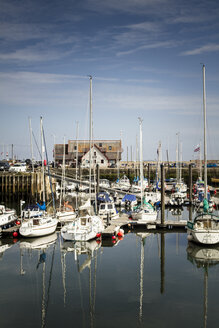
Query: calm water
(144, 280)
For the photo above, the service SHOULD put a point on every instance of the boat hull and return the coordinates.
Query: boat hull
(204, 237)
(38, 231)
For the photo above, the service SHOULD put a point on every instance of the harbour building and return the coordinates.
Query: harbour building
(106, 153)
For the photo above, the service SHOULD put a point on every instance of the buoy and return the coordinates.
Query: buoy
(120, 238)
(113, 237)
(120, 234)
(98, 241)
(44, 162)
(98, 235)
(15, 234)
(18, 222)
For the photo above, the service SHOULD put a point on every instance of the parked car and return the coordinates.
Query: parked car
(18, 167)
(4, 166)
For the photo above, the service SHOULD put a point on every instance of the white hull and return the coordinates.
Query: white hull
(7, 219)
(83, 228)
(78, 236)
(152, 197)
(28, 229)
(143, 217)
(65, 216)
(204, 236)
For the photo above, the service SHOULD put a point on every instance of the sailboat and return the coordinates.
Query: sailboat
(179, 189)
(43, 225)
(205, 227)
(84, 227)
(145, 212)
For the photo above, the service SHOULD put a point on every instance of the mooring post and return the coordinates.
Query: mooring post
(13, 184)
(98, 178)
(149, 174)
(162, 195)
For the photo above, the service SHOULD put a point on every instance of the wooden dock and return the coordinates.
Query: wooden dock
(124, 221)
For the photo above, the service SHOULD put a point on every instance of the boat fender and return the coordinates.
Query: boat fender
(15, 234)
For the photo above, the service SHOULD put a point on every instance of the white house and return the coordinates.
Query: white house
(97, 157)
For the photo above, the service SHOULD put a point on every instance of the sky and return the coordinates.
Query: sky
(145, 58)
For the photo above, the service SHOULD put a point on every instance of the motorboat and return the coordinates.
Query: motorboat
(83, 228)
(8, 217)
(107, 210)
(177, 198)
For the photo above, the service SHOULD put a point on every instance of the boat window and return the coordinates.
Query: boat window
(35, 222)
(83, 221)
(102, 206)
(110, 206)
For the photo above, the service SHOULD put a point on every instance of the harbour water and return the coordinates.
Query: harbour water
(143, 280)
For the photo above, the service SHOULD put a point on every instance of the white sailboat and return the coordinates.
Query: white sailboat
(145, 212)
(179, 189)
(205, 227)
(86, 227)
(45, 224)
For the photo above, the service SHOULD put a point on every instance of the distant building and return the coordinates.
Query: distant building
(105, 152)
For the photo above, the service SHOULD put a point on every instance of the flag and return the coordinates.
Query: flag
(197, 148)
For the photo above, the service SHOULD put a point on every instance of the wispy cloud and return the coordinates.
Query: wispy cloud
(166, 44)
(204, 49)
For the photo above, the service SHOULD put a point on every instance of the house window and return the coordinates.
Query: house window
(102, 161)
(75, 147)
(100, 145)
(110, 147)
(95, 153)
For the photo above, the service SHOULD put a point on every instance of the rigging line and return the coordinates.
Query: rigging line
(37, 145)
(50, 181)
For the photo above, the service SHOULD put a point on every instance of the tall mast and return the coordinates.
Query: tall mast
(31, 144)
(90, 135)
(42, 155)
(141, 158)
(205, 141)
(76, 151)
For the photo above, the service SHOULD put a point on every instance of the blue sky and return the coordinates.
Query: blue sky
(145, 58)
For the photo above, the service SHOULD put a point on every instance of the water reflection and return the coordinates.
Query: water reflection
(143, 280)
(203, 258)
(40, 245)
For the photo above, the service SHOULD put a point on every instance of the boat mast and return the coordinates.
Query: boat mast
(177, 158)
(76, 151)
(205, 142)
(31, 144)
(42, 158)
(62, 194)
(90, 135)
(141, 158)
